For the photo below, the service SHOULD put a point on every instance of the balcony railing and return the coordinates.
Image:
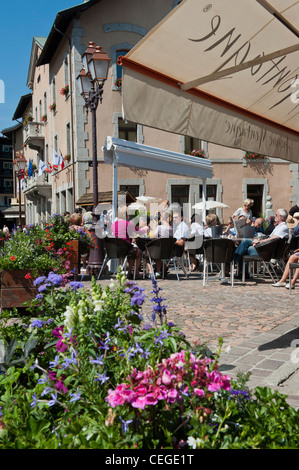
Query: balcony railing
(33, 134)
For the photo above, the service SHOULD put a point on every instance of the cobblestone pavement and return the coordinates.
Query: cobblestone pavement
(259, 325)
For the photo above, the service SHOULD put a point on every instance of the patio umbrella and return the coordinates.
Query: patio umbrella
(148, 199)
(137, 206)
(210, 205)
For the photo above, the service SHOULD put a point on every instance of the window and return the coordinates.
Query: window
(68, 139)
(127, 130)
(45, 103)
(40, 110)
(119, 69)
(180, 194)
(6, 148)
(211, 192)
(56, 143)
(54, 90)
(133, 189)
(47, 152)
(7, 166)
(191, 143)
(66, 70)
(7, 184)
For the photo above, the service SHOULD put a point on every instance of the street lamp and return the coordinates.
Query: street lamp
(91, 82)
(19, 164)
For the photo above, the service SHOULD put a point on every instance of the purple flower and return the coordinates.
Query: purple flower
(39, 280)
(76, 285)
(34, 401)
(37, 324)
(55, 279)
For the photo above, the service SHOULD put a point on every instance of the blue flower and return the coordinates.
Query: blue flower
(98, 360)
(54, 399)
(43, 287)
(75, 396)
(37, 324)
(34, 401)
(102, 378)
(55, 279)
(39, 280)
(125, 424)
(55, 362)
(76, 285)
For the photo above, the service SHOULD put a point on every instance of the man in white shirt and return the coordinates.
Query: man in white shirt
(281, 230)
(180, 228)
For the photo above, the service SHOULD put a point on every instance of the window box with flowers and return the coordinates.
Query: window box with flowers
(118, 83)
(29, 118)
(44, 118)
(253, 156)
(67, 158)
(197, 153)
(52, 107)
(65, 91)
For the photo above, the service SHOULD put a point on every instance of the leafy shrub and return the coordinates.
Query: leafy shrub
(87, 370)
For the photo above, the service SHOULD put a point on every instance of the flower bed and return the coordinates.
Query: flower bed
(88, 371)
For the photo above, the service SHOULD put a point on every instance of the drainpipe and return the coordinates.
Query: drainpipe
(72, 118)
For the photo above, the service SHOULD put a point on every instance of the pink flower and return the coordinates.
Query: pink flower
(199, 392)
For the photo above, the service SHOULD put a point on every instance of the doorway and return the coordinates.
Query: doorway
(256, 192)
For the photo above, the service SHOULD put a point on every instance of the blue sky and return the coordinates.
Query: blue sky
(20, 20)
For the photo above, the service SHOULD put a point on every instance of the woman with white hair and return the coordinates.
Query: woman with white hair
(245, 209)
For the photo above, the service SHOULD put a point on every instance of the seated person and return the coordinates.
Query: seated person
(270, 226)
(197, 230)
(258, 225)
(143, 226)
(294, 258)
(247, 246)
(164, 230)
(211, 220)
(126, 230)
(76, 221)
(230, 229)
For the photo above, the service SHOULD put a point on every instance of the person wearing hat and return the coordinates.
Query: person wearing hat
(296, 228)
(294, 209)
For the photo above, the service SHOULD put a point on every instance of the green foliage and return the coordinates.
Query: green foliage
(85, 370)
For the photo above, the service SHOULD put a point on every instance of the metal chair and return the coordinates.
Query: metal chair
(265, 252)
(165, 250)
(292, 266)
(115, 248)
(221, 251)
(193, 246)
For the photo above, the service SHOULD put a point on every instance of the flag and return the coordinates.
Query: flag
(56, 159)
(41, 167)
(30, 168)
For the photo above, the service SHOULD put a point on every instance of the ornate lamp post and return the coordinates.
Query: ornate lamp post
(91, 82)
(19, 164)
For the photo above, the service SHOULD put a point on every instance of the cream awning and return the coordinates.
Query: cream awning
(225, 72)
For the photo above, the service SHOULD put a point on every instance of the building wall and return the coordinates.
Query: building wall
(115, 25)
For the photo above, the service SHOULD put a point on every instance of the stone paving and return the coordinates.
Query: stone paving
(259, 325)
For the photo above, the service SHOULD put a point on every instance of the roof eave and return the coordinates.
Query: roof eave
(60, 25)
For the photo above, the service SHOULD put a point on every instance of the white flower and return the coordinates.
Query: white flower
(69, 317)
(194, 443)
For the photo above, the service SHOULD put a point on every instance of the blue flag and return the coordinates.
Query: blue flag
(30, 168)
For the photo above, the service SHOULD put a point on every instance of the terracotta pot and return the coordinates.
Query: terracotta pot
(15, 289)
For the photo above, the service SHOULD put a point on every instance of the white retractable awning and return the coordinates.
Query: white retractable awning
(125, 153)
(226, 72)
